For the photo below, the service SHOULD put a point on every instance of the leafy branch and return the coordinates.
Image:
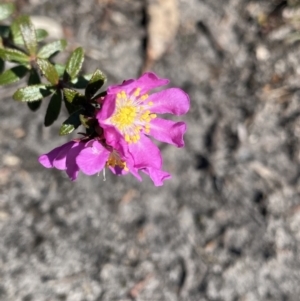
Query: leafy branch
(23, 46)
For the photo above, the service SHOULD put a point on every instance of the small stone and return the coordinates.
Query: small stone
(4, 215)
(19, 133)
(10, 160)
(262, 53)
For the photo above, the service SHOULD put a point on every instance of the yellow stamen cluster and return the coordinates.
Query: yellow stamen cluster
(114, 160)
(132, 115)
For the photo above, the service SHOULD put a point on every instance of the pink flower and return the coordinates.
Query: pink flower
(129, 113)
(120, 141)
(68, 157)
(64, 158)
(91, 157)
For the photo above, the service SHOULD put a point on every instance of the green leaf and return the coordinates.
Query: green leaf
(70, 108)
(34, 105)
(84, 121)
(16, 33)
(60, 69)
(81, 81)
(53, 109)
(4, 31)
(13, 55)
(74, 63)
(2, 65)
(50, 49)
(28, 33)
(48, 70)
(34, 79)
(32, 93)
(15, 30)
(13, 75)
(41, 34)
(73, 96)
(99, 95)
(97, 81)
(6, 9)
(71, 123)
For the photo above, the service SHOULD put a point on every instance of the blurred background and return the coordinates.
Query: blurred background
(227, 225)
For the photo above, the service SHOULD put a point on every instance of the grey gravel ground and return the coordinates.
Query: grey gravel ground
(226, 227)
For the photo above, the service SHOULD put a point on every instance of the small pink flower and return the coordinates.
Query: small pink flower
(130, 112)
(91, 157)
(64, 158)
(120, 142)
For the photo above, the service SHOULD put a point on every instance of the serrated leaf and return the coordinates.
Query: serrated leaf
(6, 9)
(34, 79)
(70, 124)
(73, 96)
(53, 109)
(41, 34)
(13, 55)
(28, 33)
(48, 70)
(74, 63)
(32, 93)
(12, 75)
(97, 81)
(51, 48)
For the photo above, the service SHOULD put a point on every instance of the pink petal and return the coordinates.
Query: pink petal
(146, 82)
(60, 161)
(135, 173)
(173, 100)
(168, 131)
(108, 108)
(149, 81)
(114, 139)
(145, 153)
(121, 171)
(157, 175)
(47, 160)
(127, 85)
(91, 160)
(72, 167)
(133, 170)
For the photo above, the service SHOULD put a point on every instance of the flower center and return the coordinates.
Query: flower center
(124, 116)
(115, 160)
(132, 115)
